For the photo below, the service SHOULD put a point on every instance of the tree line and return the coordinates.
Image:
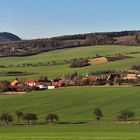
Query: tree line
(32, 47)
(31, 118)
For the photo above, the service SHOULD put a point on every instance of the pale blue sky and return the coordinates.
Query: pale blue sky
(46, 18)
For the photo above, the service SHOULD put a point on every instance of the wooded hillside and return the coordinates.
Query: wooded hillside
(31, 47)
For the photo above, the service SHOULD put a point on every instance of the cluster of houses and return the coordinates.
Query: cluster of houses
(30, 84)
(74, 80)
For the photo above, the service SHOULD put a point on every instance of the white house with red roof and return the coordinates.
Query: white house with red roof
(41, 85)
(31, 83)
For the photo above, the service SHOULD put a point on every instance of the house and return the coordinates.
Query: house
(41, 85)
(113, 76)
(45, 82)
(22, 87)
(57, 83)
(51, 87)
(93, 79)
(131, 74)
(138, 76)
(31, 83)
(14, 83)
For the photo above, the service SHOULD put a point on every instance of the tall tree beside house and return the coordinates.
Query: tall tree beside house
(111, 82)
(4, 86)
(43, 79)
(52, 118)
(98, 114)
(6, 117)
(19, 115)
(30, 117)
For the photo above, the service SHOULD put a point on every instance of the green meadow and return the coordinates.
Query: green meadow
(73, 105)
(72, 132)
(60, 56)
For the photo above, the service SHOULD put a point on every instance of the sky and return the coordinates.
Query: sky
(46, 18)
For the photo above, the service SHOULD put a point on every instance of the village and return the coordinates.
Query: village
(100, 78)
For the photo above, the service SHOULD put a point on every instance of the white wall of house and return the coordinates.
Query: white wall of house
(42, 87)
(31, 84)
(51, 87)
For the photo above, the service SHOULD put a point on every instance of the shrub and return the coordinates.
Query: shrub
(111, 82)
(19, 115)
(52, 118)
(4, 86)
(126, 115)
(6, 117)
(136, 67)
(82, 62)
(30, 116)
(98, 114)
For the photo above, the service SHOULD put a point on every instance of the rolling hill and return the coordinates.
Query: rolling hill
(60, 67)
(36, 46)
(75, 104)
(8, 37)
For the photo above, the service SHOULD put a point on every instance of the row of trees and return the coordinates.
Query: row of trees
(124, 115)
(136, 67)
(31, 118)
(40, 64)
(31, 47)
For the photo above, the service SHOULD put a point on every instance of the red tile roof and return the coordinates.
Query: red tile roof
(57, 83)
(30, 81)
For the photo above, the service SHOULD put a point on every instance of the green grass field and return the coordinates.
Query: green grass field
(70, 53)
(72, 132)
(74, 105)
(67, 54)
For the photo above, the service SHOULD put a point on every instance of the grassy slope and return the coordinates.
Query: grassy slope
(71, 132)
(74, 104)
(61, 55)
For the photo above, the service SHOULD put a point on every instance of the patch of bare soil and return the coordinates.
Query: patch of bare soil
(99, 60)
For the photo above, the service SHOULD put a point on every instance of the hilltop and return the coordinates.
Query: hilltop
(8, 37)
(36, 46)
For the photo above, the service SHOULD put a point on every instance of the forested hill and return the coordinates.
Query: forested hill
(7, 37)
(30, 47)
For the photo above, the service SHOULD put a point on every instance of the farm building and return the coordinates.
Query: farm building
(19, 86)
(131, 74)
(31, 83)
(15, 83)
(41, 85)
(51, 87)
(57, 84)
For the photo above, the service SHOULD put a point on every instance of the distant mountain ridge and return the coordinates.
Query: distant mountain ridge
(18, 47)
(7, 37)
